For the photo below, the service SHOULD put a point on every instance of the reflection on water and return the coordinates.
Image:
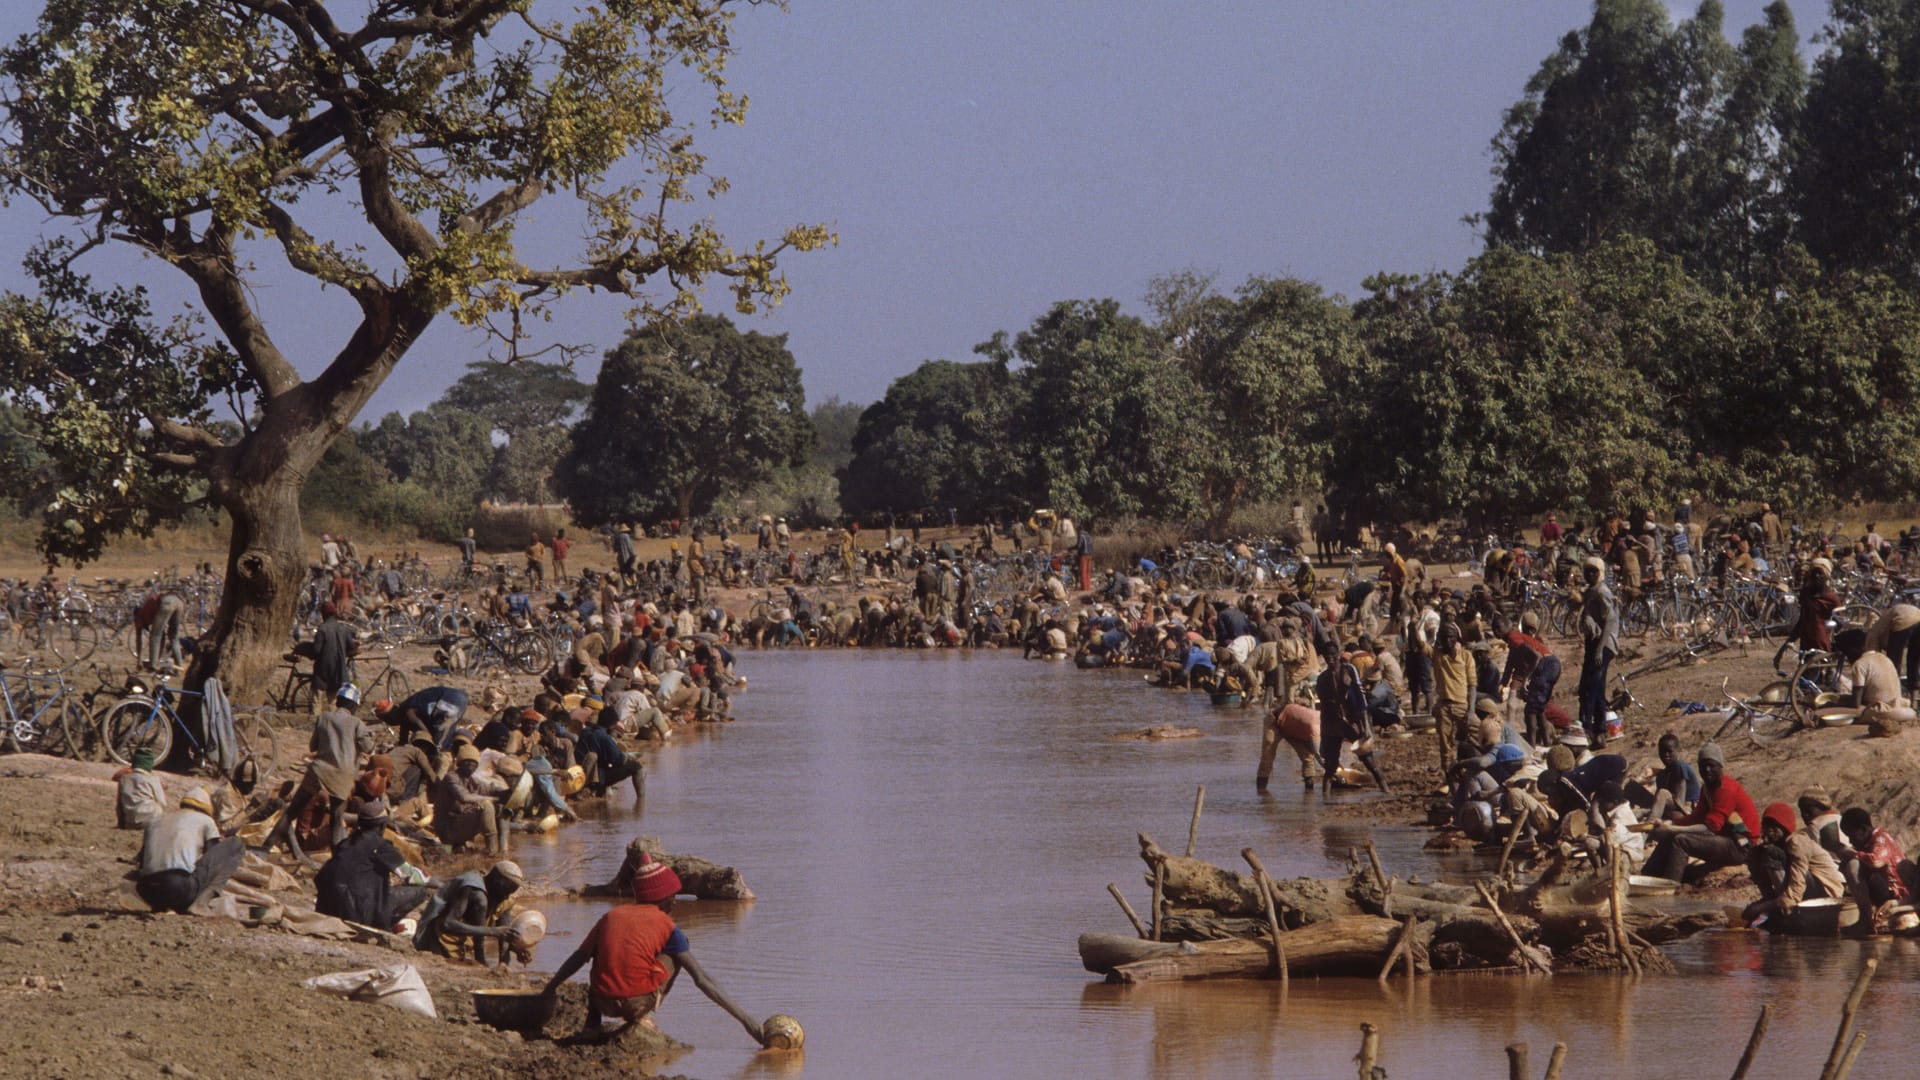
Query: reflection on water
(928, 834)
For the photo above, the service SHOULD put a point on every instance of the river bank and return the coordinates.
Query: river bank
(98, 987)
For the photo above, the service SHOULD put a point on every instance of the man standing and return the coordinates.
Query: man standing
(467, 546)
(561, 545)
(536, 560)
(334, 646)
(623, 557)
(163, 632)
(637, 952)
(182, 858)
(338, 742)
(1600, 634)
(1083, 547)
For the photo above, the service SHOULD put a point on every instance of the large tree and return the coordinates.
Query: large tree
(939, 438)
(683, 412)
(388, 149)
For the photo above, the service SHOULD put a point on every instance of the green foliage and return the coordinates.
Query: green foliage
(217, 134)
(682, 413)
(1109, 426)
(835, 423)
(939, 438)
(515, 398)
(523, 469)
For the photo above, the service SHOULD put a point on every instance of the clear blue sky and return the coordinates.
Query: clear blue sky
(982, 160)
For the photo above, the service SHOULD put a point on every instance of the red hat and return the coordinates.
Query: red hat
(531, 714)
(1780, 814)
(654, 881)
(1556, 716)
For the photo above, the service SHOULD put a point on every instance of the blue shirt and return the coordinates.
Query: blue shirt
(597, 742)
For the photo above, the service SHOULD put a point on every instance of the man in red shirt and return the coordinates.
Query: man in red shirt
(561, 545)
(1717, 831)
(637, 952)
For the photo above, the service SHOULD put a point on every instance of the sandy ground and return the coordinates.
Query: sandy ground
(94, 987)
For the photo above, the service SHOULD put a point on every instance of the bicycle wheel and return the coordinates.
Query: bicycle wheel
(136, 723)
(528, 653)
(73, 640)
(1771, 723)
(392, 684)
(254, 732)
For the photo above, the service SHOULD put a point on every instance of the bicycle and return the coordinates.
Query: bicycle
(1760, 715)
(389, 682)
(146, 720)
(1815, 673)
(41, 713)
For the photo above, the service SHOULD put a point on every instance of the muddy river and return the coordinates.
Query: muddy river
(928, 835)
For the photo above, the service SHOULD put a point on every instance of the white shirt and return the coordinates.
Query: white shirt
(175, 839)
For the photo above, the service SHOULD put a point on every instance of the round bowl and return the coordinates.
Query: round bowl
(514, 1010)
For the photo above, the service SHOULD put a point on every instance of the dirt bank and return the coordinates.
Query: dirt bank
(94, 989)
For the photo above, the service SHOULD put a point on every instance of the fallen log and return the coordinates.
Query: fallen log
(1196, 883)
(699, 878)
(1351, 945)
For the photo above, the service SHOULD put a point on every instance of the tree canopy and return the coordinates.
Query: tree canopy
(683, 412)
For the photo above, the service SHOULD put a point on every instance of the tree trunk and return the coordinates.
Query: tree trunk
(686, 504)
(266, 565)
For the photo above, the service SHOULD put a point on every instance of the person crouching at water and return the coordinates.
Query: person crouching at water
(1788, 867)
(470, 909)
(637, 952)
(183, 860)
(1298, 726)
(1343, 718)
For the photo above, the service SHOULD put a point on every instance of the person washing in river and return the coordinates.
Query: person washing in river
(637, 952)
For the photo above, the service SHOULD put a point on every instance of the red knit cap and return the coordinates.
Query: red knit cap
(654, 881)
(1780, 814)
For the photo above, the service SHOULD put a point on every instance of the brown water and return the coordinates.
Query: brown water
(928, 834)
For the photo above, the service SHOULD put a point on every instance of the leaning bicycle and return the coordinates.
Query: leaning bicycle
(41, 712)
(147, 719)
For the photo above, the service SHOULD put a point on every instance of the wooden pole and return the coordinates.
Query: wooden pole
(1159, 890)
(1369, 1050)
(1402, 944)
(1409, 951)
(1273, 915)
(1526, 958)
(1132, 917)
(1558, 1059)
(1753, 1043)
(1846, 1019)
(1506, 849)
(1853, 1051)
(1193, 828)
(1517, 1062)
(1386, 890)
(1616, 904)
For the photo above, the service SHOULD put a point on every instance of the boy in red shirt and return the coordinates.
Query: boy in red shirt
(637, 952)
(1717, 831)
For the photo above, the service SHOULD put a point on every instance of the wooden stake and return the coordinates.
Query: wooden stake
(1846, 1019)
(1558, 1059)
(1369, 1050)
(1138, 927)
(1273, 915)
(1517, 1062)
(1409, 950)
(1193, 829)
(1616, 904)
(1753, 1043)
(1386, 890)
(1526, 958)
(1404, 943)
(1506, 849)
(1853, 1051)
(1159, 889)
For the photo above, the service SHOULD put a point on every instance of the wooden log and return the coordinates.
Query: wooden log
(1554, 1062)
(1527, 958)
(1753, 1043)
(1133, 918)
(1193, 827)
(1196, 883)
(1379, 875)
(1369, 1050)
(1853, 1051)
(1273, 916)
(1517, 1062)
(1847, 1010)
(1348, 946)
(1190, 925)
(1159, 897)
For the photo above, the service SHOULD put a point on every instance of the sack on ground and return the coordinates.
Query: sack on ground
(399, 986)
